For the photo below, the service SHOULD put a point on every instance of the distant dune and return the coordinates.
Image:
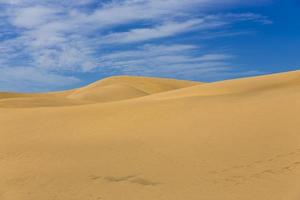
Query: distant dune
(106, 90)
(139, 138)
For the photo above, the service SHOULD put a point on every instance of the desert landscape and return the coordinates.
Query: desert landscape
(140, 138)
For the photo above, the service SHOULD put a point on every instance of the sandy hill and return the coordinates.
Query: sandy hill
(126, 87)
(134, 138)
(107, 90)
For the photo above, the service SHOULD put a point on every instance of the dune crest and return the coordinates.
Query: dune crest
(144, 138)
(127, 87)
(253, 85)
(107, 90)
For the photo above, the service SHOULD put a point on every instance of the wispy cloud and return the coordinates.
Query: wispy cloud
(165, 60)
(144, 34)
(59, 36)
(27, 79)
(168, 29)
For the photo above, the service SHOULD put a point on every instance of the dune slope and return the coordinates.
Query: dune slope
(106, 90)
(236, 139)
(124, 87)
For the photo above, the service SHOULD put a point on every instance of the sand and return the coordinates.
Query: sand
(130, 138)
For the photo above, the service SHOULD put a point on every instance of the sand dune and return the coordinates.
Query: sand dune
(123, 87)
(142, 138)
(107, 90)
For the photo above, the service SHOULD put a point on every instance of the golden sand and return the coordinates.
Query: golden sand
(137, 138)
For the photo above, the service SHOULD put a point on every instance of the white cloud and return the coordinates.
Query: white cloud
(28, 79)
(164, 60)
(161, 31)
(45, 2)
(215, 57)
(31, 17)
(53, 29)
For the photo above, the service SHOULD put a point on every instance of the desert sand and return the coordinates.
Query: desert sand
(138, 138)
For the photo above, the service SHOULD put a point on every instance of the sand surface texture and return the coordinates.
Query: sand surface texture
(130, 138)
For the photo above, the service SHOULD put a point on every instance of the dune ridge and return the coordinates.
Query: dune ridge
(126, 87)
(107, 90)
(144, 138)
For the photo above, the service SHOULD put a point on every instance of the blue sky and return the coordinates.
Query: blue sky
(60, 44)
